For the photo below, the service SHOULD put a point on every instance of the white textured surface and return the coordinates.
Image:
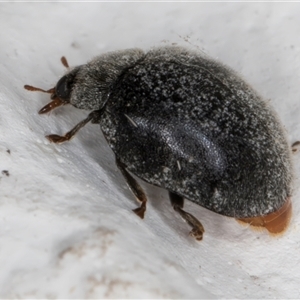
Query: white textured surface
(66, 226)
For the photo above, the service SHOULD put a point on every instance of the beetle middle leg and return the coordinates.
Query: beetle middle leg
(135, 188)
(197, 228)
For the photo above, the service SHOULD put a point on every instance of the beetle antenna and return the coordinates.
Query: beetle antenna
(64, 62)
(36, 89)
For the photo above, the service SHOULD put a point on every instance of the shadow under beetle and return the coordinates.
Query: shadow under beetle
(181, 121)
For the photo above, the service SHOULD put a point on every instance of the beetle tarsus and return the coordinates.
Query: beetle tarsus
(197, 233)
(135, 188)
(197, 228)
(56, 139)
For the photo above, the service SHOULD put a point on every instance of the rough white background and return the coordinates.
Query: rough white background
(66, 225)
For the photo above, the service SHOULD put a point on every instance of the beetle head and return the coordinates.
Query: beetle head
(61, 93)
(88, 86)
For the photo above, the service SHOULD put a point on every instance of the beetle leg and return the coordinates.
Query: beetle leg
(57, 139)
(197, 228)
(135, 188)
(295, 146)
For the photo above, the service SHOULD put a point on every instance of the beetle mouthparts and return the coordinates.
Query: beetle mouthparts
(56, 102)
(50, 106)
(275, 222)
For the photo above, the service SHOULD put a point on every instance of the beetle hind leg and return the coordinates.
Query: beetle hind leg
(135, 188)
(197, 228)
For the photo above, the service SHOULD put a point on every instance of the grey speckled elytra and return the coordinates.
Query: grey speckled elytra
(181, 121)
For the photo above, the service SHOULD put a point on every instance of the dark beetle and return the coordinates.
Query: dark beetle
(184, 122)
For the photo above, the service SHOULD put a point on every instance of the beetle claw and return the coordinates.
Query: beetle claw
(140, 211)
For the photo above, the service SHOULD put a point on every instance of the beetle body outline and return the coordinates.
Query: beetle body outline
(179, 120)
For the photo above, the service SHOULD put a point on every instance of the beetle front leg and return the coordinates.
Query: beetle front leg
(57, 139)
(197, 228)
(135, 188)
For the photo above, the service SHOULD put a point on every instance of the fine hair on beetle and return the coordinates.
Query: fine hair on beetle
(179, 120)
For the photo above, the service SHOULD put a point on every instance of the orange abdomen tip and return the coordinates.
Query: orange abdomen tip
(275, 222)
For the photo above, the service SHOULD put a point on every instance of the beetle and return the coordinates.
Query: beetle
(179, 120)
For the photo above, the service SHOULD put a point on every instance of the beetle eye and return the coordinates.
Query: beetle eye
(63, 88)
